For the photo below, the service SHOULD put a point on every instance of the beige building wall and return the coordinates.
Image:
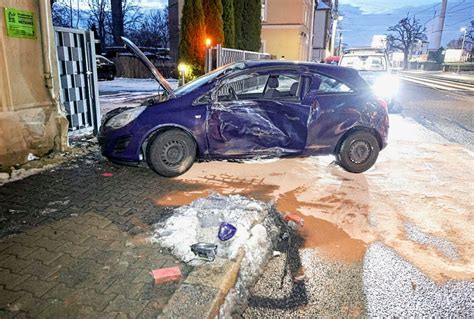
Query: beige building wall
(286, 26)
(31, 120)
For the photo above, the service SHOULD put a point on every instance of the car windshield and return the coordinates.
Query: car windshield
(208, 77)
(365, 62)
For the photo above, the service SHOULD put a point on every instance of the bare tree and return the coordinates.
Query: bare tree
(98, 16)
(61, 14)
(153, 30)
(455, 43)
(405, 33)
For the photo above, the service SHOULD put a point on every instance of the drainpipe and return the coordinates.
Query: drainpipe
(46, 46)
(61, 142)
(314, 5)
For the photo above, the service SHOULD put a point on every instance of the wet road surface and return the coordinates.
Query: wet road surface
(450, 114)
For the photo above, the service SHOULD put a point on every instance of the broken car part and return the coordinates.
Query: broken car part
(204, 251)
(226, 231)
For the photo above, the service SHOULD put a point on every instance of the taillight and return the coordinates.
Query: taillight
(383, 104)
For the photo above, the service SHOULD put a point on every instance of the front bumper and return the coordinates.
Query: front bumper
(119, 145)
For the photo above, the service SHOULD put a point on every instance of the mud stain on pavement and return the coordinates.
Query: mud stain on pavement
(328, 238)
(412, 182)
(224, 184)
(181, 198)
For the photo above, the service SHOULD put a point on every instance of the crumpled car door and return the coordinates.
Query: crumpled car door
(256, 128)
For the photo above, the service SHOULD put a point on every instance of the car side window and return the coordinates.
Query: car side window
(255, 86)
(247, 86)
(330, 85)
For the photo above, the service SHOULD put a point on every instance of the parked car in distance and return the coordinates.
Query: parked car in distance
(249, 109)
(106, 69)
(373, 65)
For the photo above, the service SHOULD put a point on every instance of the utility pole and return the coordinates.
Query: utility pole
(339, 49)
(439, 29)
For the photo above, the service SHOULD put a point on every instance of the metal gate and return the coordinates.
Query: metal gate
(78, 79)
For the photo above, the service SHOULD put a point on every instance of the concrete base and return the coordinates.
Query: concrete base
(38, 131)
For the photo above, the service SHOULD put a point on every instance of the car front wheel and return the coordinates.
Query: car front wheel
(358, 152)
(171, 153)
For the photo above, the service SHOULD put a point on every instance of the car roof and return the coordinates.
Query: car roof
(345, 74)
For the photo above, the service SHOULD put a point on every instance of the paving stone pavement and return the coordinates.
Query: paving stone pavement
(73, 242)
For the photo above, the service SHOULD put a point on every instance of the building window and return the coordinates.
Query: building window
(262, 46)
(263, 13)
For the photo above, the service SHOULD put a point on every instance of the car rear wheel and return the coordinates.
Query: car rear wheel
(110, 76)
(358, 152)
(171, 153)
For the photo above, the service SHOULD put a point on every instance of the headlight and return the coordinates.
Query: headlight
(386, 86)
(122, 119)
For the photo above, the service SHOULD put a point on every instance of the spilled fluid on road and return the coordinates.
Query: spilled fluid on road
(414, 200)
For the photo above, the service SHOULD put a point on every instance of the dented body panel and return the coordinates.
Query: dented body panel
(271, 118)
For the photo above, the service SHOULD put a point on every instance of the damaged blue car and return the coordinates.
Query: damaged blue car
(249, 109)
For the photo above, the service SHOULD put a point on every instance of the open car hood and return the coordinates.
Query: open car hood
(158, 76)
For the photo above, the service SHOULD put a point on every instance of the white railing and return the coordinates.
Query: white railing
(218, 56)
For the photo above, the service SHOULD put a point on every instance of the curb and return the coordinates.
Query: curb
(203, 292)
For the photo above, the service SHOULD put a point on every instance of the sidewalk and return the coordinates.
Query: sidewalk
(74, 244)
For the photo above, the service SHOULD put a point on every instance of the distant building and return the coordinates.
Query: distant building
(322, 29)
(287, 28)
(419, 51)
(379, 41)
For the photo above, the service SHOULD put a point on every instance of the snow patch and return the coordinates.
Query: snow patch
(200, 221)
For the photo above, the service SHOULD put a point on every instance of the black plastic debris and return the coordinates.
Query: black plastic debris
(204, 251)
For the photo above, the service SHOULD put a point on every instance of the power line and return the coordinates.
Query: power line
(453, 24)
(432, 7)
(459, 10)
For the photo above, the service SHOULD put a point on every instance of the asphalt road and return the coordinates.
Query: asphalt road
(450, 114)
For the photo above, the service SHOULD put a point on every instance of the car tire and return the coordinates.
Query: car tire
(358, 152)
(171, 153)
(110, 76)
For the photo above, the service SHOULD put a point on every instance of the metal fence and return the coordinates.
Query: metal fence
(78, 78)
(218, 56)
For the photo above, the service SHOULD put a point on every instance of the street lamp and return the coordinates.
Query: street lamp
(334, 31)
(462, 45)
(182, 68)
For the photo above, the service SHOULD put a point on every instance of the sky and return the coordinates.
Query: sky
(365, 18)
(384, 6)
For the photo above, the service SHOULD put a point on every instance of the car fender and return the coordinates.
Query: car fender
(357, 128)
(162, 127)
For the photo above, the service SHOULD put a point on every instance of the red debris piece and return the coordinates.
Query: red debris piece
(107, 174)
(163, 275)
(293, 217)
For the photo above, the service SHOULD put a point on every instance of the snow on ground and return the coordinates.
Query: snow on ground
(128, 92)
(200, 221)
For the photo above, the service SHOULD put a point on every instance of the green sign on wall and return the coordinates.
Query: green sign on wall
(20, 23)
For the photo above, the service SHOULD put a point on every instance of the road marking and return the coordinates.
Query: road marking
(448, 86)
(441, 87)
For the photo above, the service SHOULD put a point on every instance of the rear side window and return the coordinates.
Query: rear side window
(331, 85)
